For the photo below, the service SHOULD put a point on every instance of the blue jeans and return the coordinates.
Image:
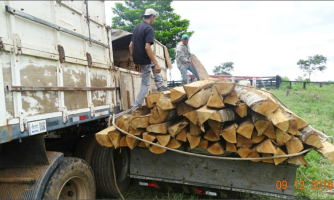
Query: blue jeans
(145, 83)
(184, 73)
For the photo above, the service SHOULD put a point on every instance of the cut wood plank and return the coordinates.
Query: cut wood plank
(200, 98)
(102, 137)
(280, 120)
(203, 114)
(293, 124)
(192, 116)
(177, 94)
(298, 160)
(300, 122)
(123, 142)
(294, 146)
(211, 136)
(244, 152)
(232, 98)
(229, 133)
(216, 100)
(216, 148)
(136, 132)
(270, 132)
(158, 128)
(152, 99)
(163, 139)
(174, 144)
(241, 109)
(144, 110)
(254, 154)
(194, 87)
(260, 122)
(174, 129)
(243, 141)
(224, 115)
(195, 130)
(246, 128)
(266, 147)
(231, 147)
(327, 151)
(157, 150)
(255, 101)
(193, 140)
(224, 88)
(182, 136)
(203, 144)
(123, 122)
(142, 144)
(158, 115)
(165, 102)
(168, 59)
(270, 160)
(279, 152)
(281, 137)
(257, 138)
(132, 142)
(310, 137)
(140, 122)
(149, 137)
(183, 108)
(115, 138)
(201, 71)
(216, 126)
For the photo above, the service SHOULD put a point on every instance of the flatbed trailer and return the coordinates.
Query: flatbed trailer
(63, 73)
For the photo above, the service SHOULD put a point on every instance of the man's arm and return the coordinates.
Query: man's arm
(181, 55)
(130, 48)
(151, 55)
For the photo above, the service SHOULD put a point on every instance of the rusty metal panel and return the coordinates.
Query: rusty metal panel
(75, 75)
(126, 86)
(224, 174)
(38, 72)
(7, 78)
(98, 78)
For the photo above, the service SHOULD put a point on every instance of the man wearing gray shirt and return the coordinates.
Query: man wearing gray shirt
(183, 61)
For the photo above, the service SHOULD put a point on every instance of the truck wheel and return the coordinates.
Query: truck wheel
(72, 179)
(102, 167)
(85, 148)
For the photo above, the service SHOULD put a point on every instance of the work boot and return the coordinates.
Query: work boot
(163, 88)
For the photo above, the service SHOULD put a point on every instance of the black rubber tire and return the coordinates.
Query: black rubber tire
(102, 167)
(74, 174)
(85, 148)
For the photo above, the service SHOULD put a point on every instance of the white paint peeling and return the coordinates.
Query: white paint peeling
(9, 115)
(47, 73)
(34, 105)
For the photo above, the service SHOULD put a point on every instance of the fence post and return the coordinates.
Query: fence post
(320, 84)
(278, 81)
(290, 85)
(304, 85)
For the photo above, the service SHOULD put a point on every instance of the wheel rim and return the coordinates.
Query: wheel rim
(74, 188)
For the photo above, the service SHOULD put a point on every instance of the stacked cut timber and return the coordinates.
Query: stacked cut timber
(217, 116)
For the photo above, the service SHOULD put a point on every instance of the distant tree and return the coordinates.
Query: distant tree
(312, 64)
(224, 69)
(168, 26)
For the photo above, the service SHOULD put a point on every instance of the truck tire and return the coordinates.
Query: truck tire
(85, 148)
(102, 167)
(72, 179)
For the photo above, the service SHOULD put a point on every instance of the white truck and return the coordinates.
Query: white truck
(63, 73)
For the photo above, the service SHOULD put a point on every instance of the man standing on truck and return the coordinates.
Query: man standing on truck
(143, 57)
(183, 61)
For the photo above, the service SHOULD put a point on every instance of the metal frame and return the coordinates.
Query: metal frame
(51, 25)
(25, 88)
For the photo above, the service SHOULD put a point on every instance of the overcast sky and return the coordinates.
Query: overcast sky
(264, 38)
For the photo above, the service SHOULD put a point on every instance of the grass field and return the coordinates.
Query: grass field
(316, 106)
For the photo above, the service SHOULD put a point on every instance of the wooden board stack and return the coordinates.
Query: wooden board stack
(217, 116)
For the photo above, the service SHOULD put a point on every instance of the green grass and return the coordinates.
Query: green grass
(318, 112)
